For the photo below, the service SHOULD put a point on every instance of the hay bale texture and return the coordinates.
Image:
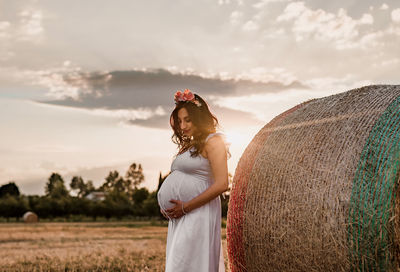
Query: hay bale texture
(30, 217)
(317, 187)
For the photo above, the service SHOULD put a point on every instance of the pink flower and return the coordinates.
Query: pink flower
(178, 96)
(188, 95)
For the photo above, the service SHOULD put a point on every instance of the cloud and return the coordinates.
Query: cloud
(30, 27)
(250, 26)
(366, 19)
(4, 26)
(339, 28)
(261, 4)
(228, 2)
(236, 17)
(235, 38)
(224, 2)
(395, 14)
(49, 148)
(156, 121)
(384, 6)
(268, 105)
(26, 25)
(228, 118)
(231, 118)
(132, 89)
(390, 62)
(5, 47)
(145, 97)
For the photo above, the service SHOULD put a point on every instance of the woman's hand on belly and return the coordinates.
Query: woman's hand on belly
(163, 213)
(177, 210)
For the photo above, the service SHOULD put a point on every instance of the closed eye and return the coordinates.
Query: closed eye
(186, 120)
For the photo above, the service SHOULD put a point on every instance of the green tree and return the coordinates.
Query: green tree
(115, 183)
(150, 205)
(138, 198)
(134, 175)
(55, 186)
(22, 207)
(9, 189)
(13, 206)
(33, 201)
(82, 188)
(117, 204)
(89, 187)
(50, 207)
(139, 195)
(77, 184)
(110, 182)
(98, 208)
(79, 206)
(7, 206)
(43, 207)
(161, 180)
(224, 204)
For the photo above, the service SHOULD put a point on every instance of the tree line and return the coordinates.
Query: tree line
(121, 197)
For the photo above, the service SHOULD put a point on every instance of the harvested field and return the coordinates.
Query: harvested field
(134, 246)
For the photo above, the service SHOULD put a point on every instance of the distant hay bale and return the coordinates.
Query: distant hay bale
(317, 189)
(30, 217)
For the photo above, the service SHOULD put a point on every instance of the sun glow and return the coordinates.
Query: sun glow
(237, 140)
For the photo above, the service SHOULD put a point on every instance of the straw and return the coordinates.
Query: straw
(316, 189)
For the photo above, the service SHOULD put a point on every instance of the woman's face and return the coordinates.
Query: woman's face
(185, 123)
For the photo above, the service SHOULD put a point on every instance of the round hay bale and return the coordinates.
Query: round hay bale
(318, 187)
(30, 217)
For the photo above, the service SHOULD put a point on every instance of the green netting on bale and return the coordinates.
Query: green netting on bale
(372, 202)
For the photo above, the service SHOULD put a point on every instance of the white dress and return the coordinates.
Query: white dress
(194, 240)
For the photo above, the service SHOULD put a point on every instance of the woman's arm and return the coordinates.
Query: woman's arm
(216, 154)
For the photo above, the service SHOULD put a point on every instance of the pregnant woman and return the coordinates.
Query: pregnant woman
(189, 196)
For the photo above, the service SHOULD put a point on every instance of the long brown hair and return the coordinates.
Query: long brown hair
(201, 117)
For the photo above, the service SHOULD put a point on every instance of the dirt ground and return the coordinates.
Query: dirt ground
(114, 246)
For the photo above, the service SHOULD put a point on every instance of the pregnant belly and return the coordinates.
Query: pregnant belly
(180, 186)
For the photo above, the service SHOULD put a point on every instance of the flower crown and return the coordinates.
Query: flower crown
(186, 96)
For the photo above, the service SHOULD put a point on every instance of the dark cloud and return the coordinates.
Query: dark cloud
(226, 117)
(151, 89)
(133, 89)
(234, 118)
(157, 121)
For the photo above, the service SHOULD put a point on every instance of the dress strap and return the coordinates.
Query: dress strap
(212, 134)
(227, 144)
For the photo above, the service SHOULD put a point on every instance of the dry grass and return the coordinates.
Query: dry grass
(84, 247)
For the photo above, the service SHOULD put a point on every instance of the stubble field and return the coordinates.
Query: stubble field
(114, 246)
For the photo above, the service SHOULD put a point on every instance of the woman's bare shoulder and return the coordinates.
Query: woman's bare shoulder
(215, 143)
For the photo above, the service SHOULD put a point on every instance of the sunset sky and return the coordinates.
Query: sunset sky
(87, 87)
